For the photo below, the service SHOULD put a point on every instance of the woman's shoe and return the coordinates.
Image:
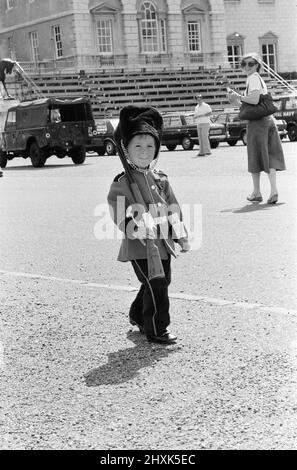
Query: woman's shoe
(255, 198)
(273, 199)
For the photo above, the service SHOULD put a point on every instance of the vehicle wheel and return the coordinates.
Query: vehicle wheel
(37, 155)
(110, 148)
(243, 137)
(3, 159)
(187, 144)
(100, 151)
(232, 142)
(292, 133)
(78, 155)
(214, 144)
(171, 147)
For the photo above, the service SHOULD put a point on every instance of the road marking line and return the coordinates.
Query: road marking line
(180, 296)
(72, 281)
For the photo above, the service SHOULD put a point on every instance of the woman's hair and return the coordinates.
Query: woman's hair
(255, 57)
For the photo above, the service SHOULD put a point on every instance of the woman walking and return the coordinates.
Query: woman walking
(264, 146)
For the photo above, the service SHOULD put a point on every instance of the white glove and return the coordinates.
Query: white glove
(178, 227)
(145, 227)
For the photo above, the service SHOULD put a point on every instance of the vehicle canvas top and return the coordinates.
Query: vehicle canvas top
(37, 113)
(51, 101)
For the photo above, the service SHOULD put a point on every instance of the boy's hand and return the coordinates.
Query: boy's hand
(178, 228)
(145, 227)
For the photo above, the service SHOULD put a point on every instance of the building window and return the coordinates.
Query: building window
(269, 55)
(194, 36)
(152, 29)
(149, 28)
(58, 41)
(268, 47)
(34, 46)
(234, 55)
(235, 43)
(104, 36)
(163, 36)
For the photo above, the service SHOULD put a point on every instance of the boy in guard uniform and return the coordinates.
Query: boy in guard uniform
(139, 135)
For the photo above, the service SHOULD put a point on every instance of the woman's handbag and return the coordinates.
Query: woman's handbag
(253, 112)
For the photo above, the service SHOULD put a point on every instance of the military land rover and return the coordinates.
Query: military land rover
(44, 127)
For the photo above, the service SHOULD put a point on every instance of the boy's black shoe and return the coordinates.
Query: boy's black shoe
(140, 327)
(165, 338)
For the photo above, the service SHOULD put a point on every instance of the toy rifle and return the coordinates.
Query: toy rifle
(154, 263)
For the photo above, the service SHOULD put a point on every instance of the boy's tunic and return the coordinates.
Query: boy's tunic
(155, 189)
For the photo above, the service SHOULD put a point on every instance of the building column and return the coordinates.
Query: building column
(82, 28)
(218, 32)
(130, 33)
(175, 32)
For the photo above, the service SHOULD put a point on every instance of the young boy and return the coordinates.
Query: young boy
(139, 135)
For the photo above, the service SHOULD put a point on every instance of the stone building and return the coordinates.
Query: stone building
(131, 34)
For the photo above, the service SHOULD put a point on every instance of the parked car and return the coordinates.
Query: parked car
(45, 127)
(180, 129)
(102, 141)
(235, 129)
(287, 110)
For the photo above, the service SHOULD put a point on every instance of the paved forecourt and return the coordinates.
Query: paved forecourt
(76, 375)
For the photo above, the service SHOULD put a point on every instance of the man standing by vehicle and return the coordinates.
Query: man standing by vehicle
(202, 117)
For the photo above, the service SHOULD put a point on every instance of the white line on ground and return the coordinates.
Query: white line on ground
(180, 296)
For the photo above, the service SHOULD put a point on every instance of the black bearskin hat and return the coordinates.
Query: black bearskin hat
(139, 120)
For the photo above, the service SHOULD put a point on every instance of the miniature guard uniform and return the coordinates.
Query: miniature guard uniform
(150, 309)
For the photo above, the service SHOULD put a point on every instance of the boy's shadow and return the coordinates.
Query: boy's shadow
(124, 364)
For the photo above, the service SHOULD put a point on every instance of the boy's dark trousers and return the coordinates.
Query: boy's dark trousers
(150, 308)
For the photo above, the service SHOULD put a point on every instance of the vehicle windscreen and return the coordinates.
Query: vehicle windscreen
(291, 103)
(234, 117)
(190, 119)
(220, 118)
(10, 119)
